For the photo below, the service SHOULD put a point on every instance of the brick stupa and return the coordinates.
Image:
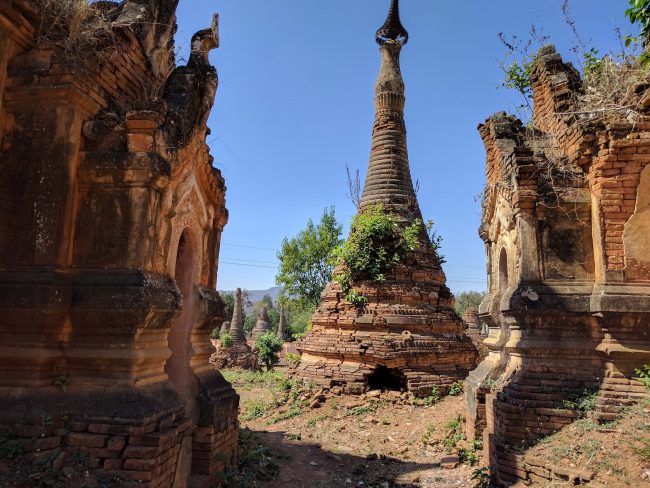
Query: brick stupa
(263, 323)
(408, 336)
(238, 354)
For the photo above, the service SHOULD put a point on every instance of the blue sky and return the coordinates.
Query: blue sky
(295, 105)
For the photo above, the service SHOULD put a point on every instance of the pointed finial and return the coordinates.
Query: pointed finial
(392, 30)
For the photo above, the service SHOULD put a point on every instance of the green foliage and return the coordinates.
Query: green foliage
(214, 335)
(256, 463)
(249, 323)
(362, 410)
(268, 345)
(483, 478)
(226, 341)
(293, 359)
(517, 76)
(639, 13)
(644, 450)
(255, 409)
(467, 456)
(643, 375)
(11, 447)
(243, 377)
(298, 317)
(436, 240)
(468, 299)
(62, 381)
(433, 398)
(305, 269)
(229, 302)
(582, 404)
(456, 389)
(592, 63)
(356, 298)
(454, 435)
(294, 411)
(376, 244)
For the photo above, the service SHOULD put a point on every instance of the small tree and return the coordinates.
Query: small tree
(269, 345)
(305, 269)
(468, 299)
(229, 302)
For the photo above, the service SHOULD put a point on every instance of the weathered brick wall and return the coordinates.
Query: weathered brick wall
(568, 299)
(111, 216)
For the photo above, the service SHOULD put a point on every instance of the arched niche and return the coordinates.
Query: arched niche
(503, 270)
(186, 275)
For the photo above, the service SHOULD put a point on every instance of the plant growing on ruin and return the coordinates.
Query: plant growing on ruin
(608, 80)
(456, 389)
(82, 29)
(643, 375)
(483, 478)
(639, 13)
(268, 345)
(214, 335)
(62, 381)
(436, 241)
(377, 243)
(293, 359)
(226, 341)
(582, 404)
(454, 434)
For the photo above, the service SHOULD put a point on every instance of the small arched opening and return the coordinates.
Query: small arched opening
(179, 339)
(386, 379)
(503, 271)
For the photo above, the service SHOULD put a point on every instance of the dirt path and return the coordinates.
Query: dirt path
(350, 442)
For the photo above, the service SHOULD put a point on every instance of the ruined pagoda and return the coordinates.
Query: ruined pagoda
(238, 353)
(263, 323)
(407, 337)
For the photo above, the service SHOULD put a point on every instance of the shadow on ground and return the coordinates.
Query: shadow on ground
(307, 465)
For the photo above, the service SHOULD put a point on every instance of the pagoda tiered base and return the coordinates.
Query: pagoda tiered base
(399, 341)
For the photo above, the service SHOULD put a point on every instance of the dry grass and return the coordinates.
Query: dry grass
(614, 89)
(80, 28)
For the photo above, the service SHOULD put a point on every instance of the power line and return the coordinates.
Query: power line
(250, 260)
(248, 265)
(250, 247)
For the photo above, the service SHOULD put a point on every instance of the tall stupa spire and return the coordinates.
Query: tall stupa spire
(406, 335)
(389, 177)
(392, 30)
(237, 323)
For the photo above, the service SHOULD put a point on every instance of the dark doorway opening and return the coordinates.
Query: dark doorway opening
(385, 379)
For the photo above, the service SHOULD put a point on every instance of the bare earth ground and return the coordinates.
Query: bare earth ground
(350, 442)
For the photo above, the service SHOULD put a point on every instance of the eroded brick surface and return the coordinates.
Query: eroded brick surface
(111, 216)
(568, 301)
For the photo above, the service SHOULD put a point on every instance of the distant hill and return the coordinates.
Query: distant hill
(257, 295)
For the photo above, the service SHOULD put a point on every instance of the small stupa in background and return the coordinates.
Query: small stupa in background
(238, 354)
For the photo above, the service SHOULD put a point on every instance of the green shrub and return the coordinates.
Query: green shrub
(214, 335)
(376, 244)
(433, 398)
(483, 478)
(454, 434)
(582, 404)
(268, 345)
(226, 341)
(293, 359)
(643, 375)
(456, 389)
(255, 463)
